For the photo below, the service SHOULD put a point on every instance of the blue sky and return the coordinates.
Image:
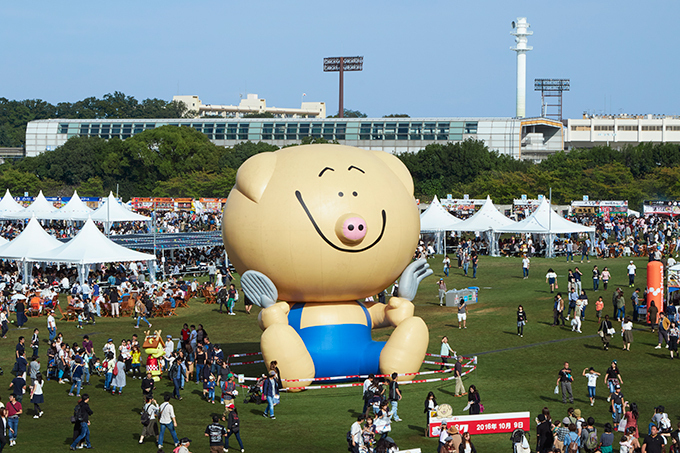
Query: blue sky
(427, 59)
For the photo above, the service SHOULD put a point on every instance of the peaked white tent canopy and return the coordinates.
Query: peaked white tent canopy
(40, 209)
(436, 219)
(3, 241)
(487, 219)
(8, 205)
(75, 209)
(546, 221)
(111, 212)
(32, 240)
(89, 246)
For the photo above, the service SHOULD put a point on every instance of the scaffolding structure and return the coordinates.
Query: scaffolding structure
(551, 89)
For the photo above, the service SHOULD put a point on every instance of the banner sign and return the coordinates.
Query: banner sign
(661, 207)
(481, 423)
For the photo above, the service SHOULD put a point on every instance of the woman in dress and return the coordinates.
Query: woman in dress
(631, 417)
(673, 334)
(37, 395)
(605, 332)
(119, 379)
(474, 400)
(521, 320)
(430, 405)
(627, 332)
(551, 279)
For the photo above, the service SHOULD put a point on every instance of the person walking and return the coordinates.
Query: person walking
(140, 311)
(447, 265)
(596, 278)
(475, 263)
(605, 277)
(232, 296)
(442, 291)
(673, 334)
(167, 420)
(551, 279)
(14, 410)
(462, 313)
(76, 377)
(270, 390)
(631, 274)
(521, 320)
(82, 415)
(458, 375)
(558, 310)
(613, 376)
(37, 395)
(564, 380)
(216, 435)
(233, 427)
(151, 427)
(605, 331)
(178, 373)
(599, 306)
(445, 352)
(394, 395)
(627, 333)
(592, 376)
(525, 267)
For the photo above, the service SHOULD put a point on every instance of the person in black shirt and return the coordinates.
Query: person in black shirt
(544, 435)
(148, 385)
(20, 347)
(82, 415)
(564, 380)
(654, 443)
(233, 427)
(216, 433)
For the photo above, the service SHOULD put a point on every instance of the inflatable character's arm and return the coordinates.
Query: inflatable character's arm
(262, 291)
(400, 308)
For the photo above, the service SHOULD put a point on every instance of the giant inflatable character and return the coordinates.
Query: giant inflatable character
(154, 347)
(322, 227)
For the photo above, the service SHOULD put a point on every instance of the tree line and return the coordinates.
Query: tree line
(14, 115)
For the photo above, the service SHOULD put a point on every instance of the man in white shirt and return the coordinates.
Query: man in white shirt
(525, 267)
(631, 274)
(51, 325)
(367, 384)
(109, 347)
(355, 433)
(169, 349)
(167, 420)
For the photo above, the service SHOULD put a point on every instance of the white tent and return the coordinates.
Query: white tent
(547, 222)
(8, 205)
(90, 246)
(436, 219)
(3, 241)
(111, 212)
(32, 240)
(487, 219)
(40, 209)
(75, 209)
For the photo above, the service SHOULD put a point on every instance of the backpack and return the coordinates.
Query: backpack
(146, 418)
(665, 422)
(591, 441)
(349, 441)
(173, 370)
(76, 414)
(571, 442)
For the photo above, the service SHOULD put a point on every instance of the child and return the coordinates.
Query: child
(210, 386)
(625, 445)
(592, 381)
(599, 305)
(136, 362)
(81, 318)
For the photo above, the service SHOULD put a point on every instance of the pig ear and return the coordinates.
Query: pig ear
(398, 168)
(254, 175)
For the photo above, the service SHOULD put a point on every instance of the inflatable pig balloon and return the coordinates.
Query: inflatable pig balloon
(314, 230)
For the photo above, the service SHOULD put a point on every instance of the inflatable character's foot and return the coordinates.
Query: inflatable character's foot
(405, 350)
(282, 343)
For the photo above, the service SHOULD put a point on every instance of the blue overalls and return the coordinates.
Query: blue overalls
(339, 349)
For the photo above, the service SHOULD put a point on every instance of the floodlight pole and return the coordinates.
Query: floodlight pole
(342, 64)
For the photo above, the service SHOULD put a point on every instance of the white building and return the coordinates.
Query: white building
(252, 104)
(620, 130)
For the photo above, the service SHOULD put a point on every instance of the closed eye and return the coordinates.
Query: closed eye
(355, 168)
(324, 170)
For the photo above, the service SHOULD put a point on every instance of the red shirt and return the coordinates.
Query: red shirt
(13, 408)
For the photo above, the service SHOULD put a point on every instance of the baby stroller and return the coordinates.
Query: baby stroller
(254, 394)
(520, 444)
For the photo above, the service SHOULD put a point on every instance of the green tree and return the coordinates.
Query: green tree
(351, 114)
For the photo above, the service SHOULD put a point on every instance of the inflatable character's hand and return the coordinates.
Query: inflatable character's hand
(411, 278)
(259, 289)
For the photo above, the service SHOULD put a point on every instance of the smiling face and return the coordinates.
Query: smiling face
(324, 222)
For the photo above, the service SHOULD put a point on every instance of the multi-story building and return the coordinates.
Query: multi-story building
(620, 130)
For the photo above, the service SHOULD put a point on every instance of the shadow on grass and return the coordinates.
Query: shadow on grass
(590, 346)
(419, 429)
(661, 356)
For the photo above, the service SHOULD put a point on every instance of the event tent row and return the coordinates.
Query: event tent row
(88, 247)
(489, 220)
(111, 211)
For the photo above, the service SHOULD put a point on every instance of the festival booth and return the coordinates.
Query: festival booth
(88, 247)
(111, 211)
(486, 220)
(75, 209)
(435, 219)
(547, 223)
(40, 209)
(32, 240)
(8, 205)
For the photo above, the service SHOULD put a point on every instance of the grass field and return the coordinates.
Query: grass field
(514, 374)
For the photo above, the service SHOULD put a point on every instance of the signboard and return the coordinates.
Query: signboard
(661, 207)
(481, 423)
(600, 208)
(213, 204)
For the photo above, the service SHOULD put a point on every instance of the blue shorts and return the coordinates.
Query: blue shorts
(591, 392)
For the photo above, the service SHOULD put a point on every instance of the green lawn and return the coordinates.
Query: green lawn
(514, 374)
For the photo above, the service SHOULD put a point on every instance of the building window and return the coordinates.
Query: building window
(63, 128)
(243, 131)
(470, 128)
(231, 131)
(316, 130)
(673, 128)
(580, 128)
(94, 130)
(390, 131)
(603, 128)
(340, 129)
(328, 131)
(402, 131)
(443, 133)
(365, 131)
(415, 131)
(652, 128)
(378, 131)
(627, 128)
(304, 130)
(279, 130)
(84, 129)
(267, 131)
